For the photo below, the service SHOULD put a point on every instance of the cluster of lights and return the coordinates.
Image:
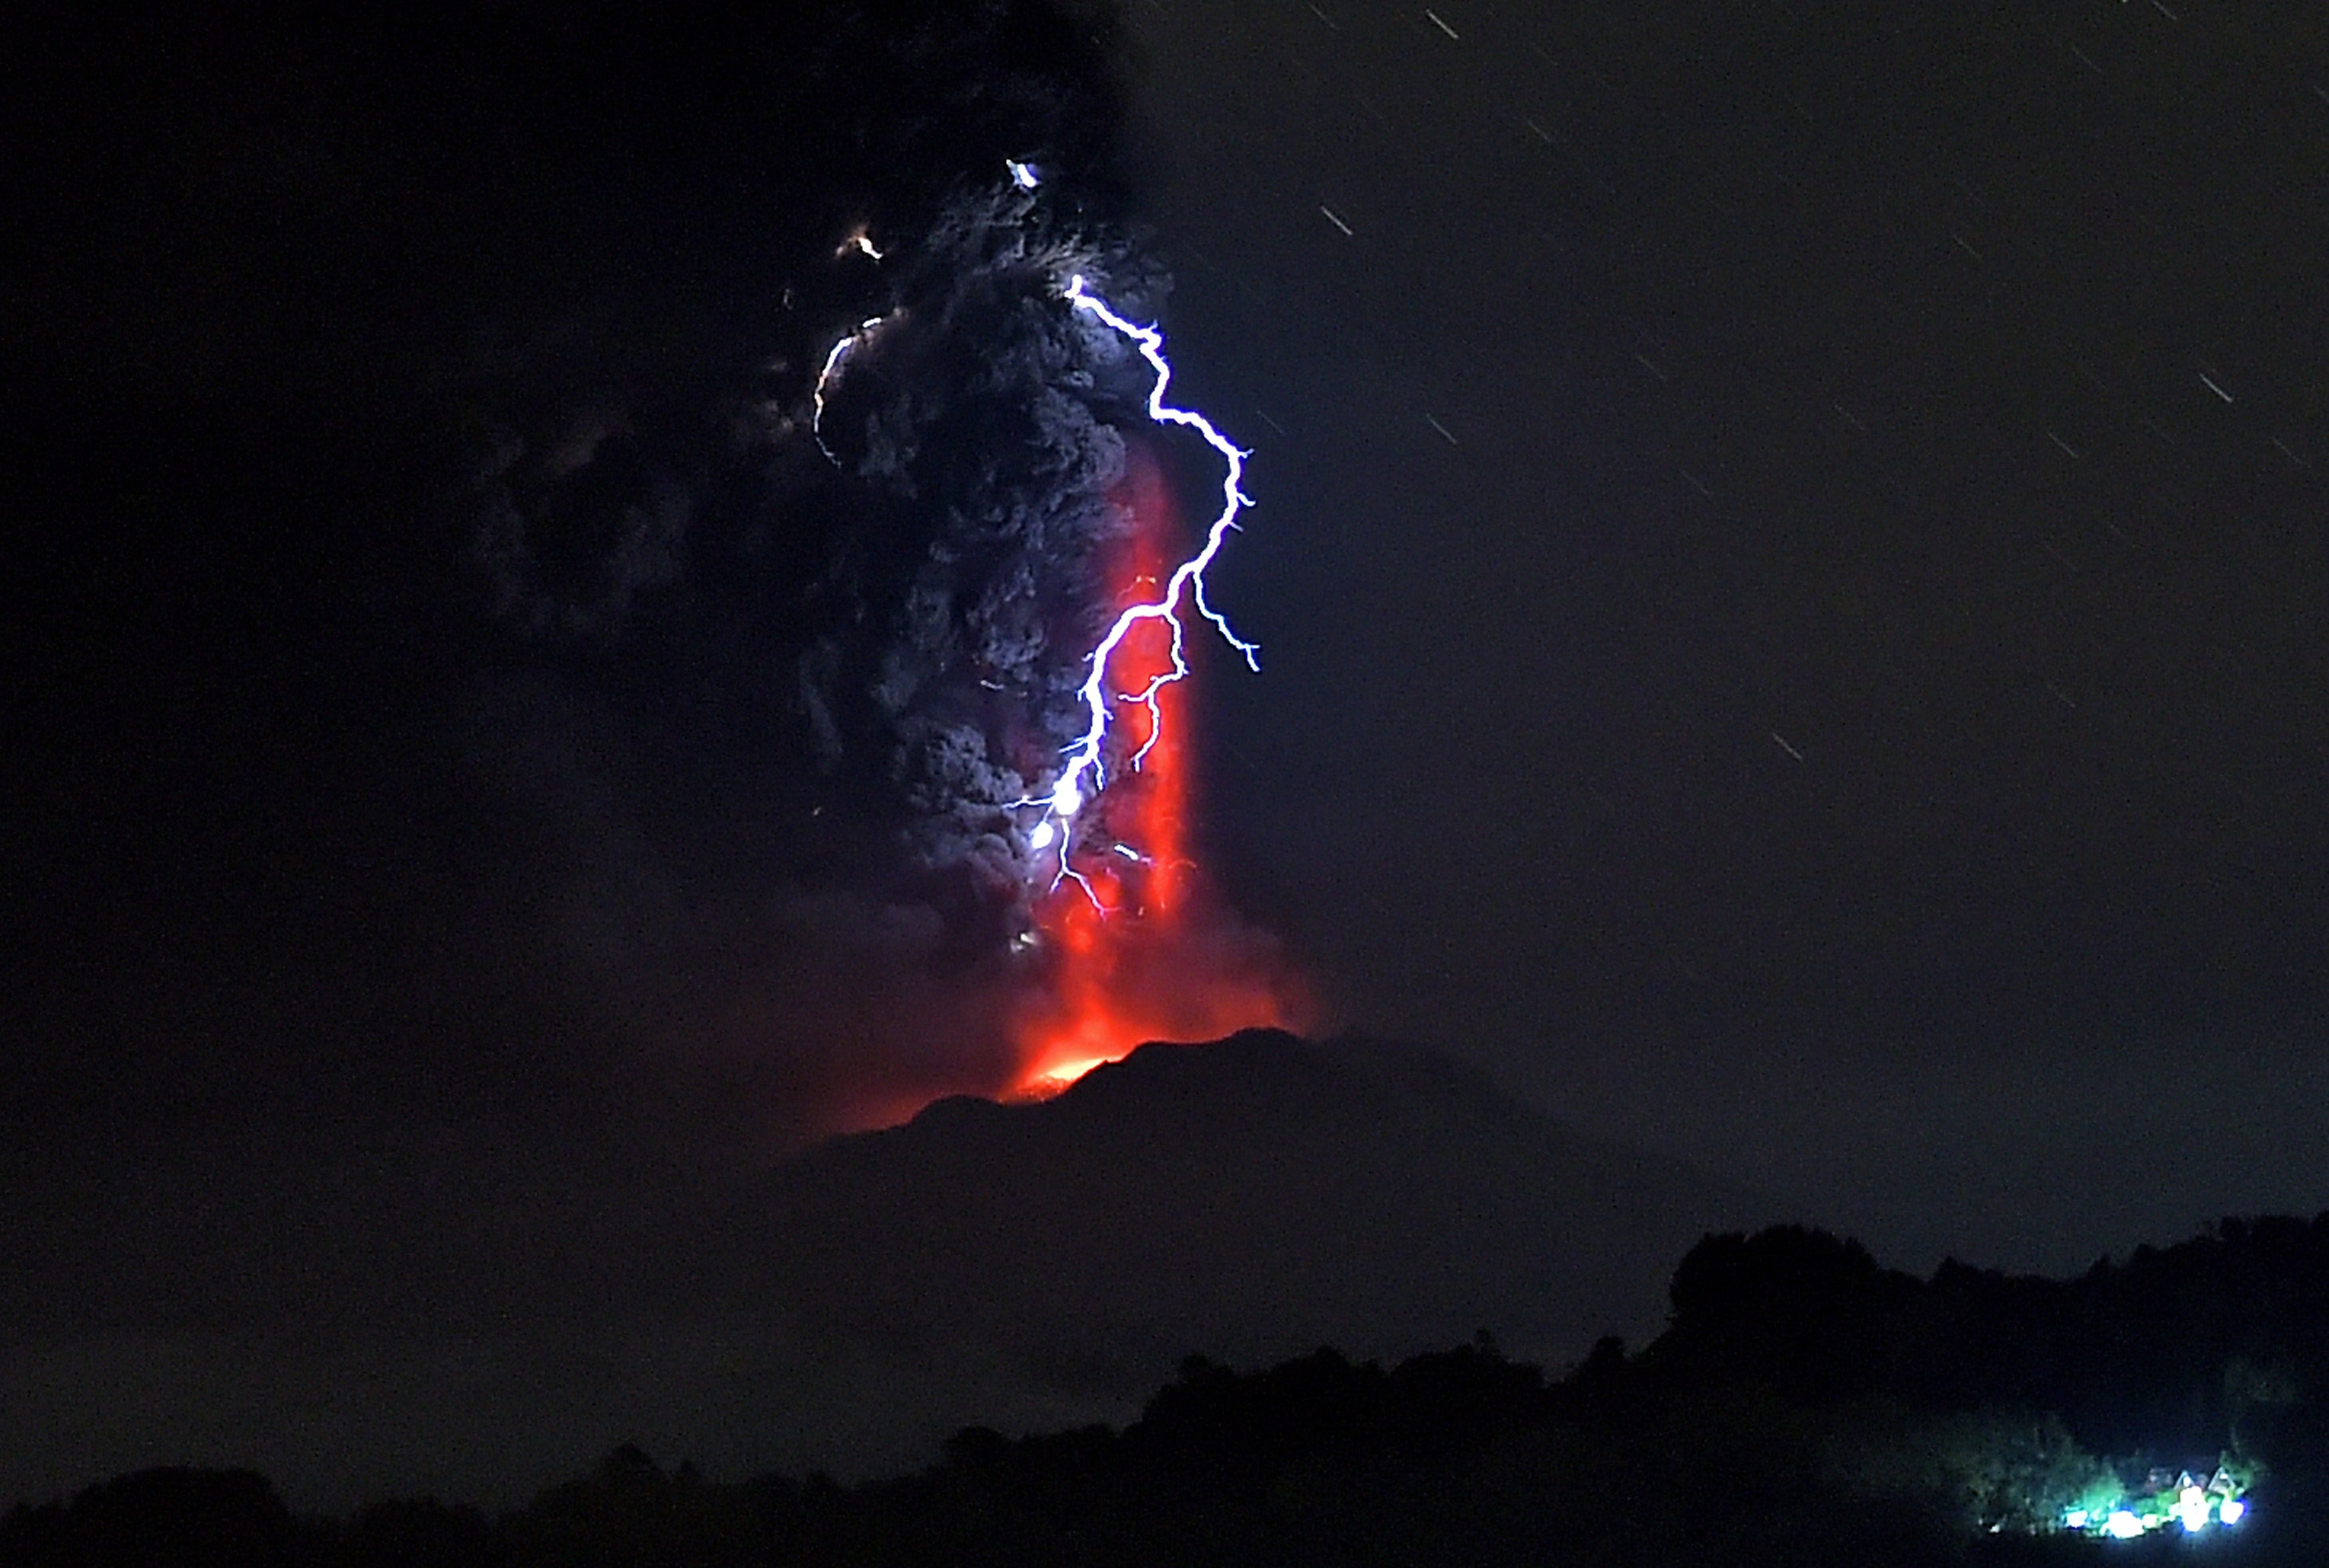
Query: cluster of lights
(2189, 1505)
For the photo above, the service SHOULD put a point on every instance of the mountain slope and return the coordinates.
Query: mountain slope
(1246, 1199)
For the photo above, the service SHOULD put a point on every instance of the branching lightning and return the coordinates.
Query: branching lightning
(832, 369)
(1085, 773)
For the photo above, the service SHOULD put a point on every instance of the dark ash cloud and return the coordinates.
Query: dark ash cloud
(898, 590)
(979, 434)
(414, 418)
(848, 640)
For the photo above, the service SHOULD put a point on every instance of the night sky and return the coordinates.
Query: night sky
(1788, 553)
(1844, 697)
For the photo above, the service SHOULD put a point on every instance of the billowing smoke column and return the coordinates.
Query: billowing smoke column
(800, 476)
(1031, 689)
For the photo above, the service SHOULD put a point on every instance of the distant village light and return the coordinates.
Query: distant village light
(2167, 1498)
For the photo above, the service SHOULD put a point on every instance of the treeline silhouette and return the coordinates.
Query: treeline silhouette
(1806, 1406)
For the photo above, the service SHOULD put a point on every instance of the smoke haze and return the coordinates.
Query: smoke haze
(671, 739)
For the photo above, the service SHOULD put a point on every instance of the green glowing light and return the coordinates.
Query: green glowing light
(2182, 1499)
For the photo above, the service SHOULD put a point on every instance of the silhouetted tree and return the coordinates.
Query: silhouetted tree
(629, 1514)
(175, 1518)
(1802, 1310)
(1805, 1406)
(420, 1533)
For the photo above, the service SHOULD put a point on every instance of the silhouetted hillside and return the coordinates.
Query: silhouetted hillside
(1247, 1199)
(2217, 1344)
(1025, 1267)
(1805, 1406)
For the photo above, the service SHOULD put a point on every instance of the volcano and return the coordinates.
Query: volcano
(1030, 1267)
(1256, 1197)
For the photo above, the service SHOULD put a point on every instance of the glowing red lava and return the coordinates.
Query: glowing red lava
(1146, 956)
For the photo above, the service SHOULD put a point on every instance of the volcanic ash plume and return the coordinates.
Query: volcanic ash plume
(977, 428)
(799, 500)
(1013, 509)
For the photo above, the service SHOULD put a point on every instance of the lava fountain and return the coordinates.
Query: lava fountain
(1132, 947)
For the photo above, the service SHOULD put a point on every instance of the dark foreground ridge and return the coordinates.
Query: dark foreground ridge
(1250, 1198)
(1036, 1266)
(1028, 1268)
(1804, 1405)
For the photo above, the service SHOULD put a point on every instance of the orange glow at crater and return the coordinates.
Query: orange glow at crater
(1146, 955)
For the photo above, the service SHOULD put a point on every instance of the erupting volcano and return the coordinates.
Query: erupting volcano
(996, 411)
(1132, 947)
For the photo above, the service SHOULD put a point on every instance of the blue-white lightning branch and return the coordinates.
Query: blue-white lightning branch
(1085, 774)
(834, 356)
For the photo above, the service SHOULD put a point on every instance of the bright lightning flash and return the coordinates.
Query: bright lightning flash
(832, 370)
(1085, 774)
(1142, 954)
(1136, 950)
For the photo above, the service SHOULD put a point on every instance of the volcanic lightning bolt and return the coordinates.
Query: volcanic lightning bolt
(832, 362)
(1085, 774)
(1138, 950)
(1138, 953)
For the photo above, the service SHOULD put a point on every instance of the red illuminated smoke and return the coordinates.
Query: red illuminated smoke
(1146, 955)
